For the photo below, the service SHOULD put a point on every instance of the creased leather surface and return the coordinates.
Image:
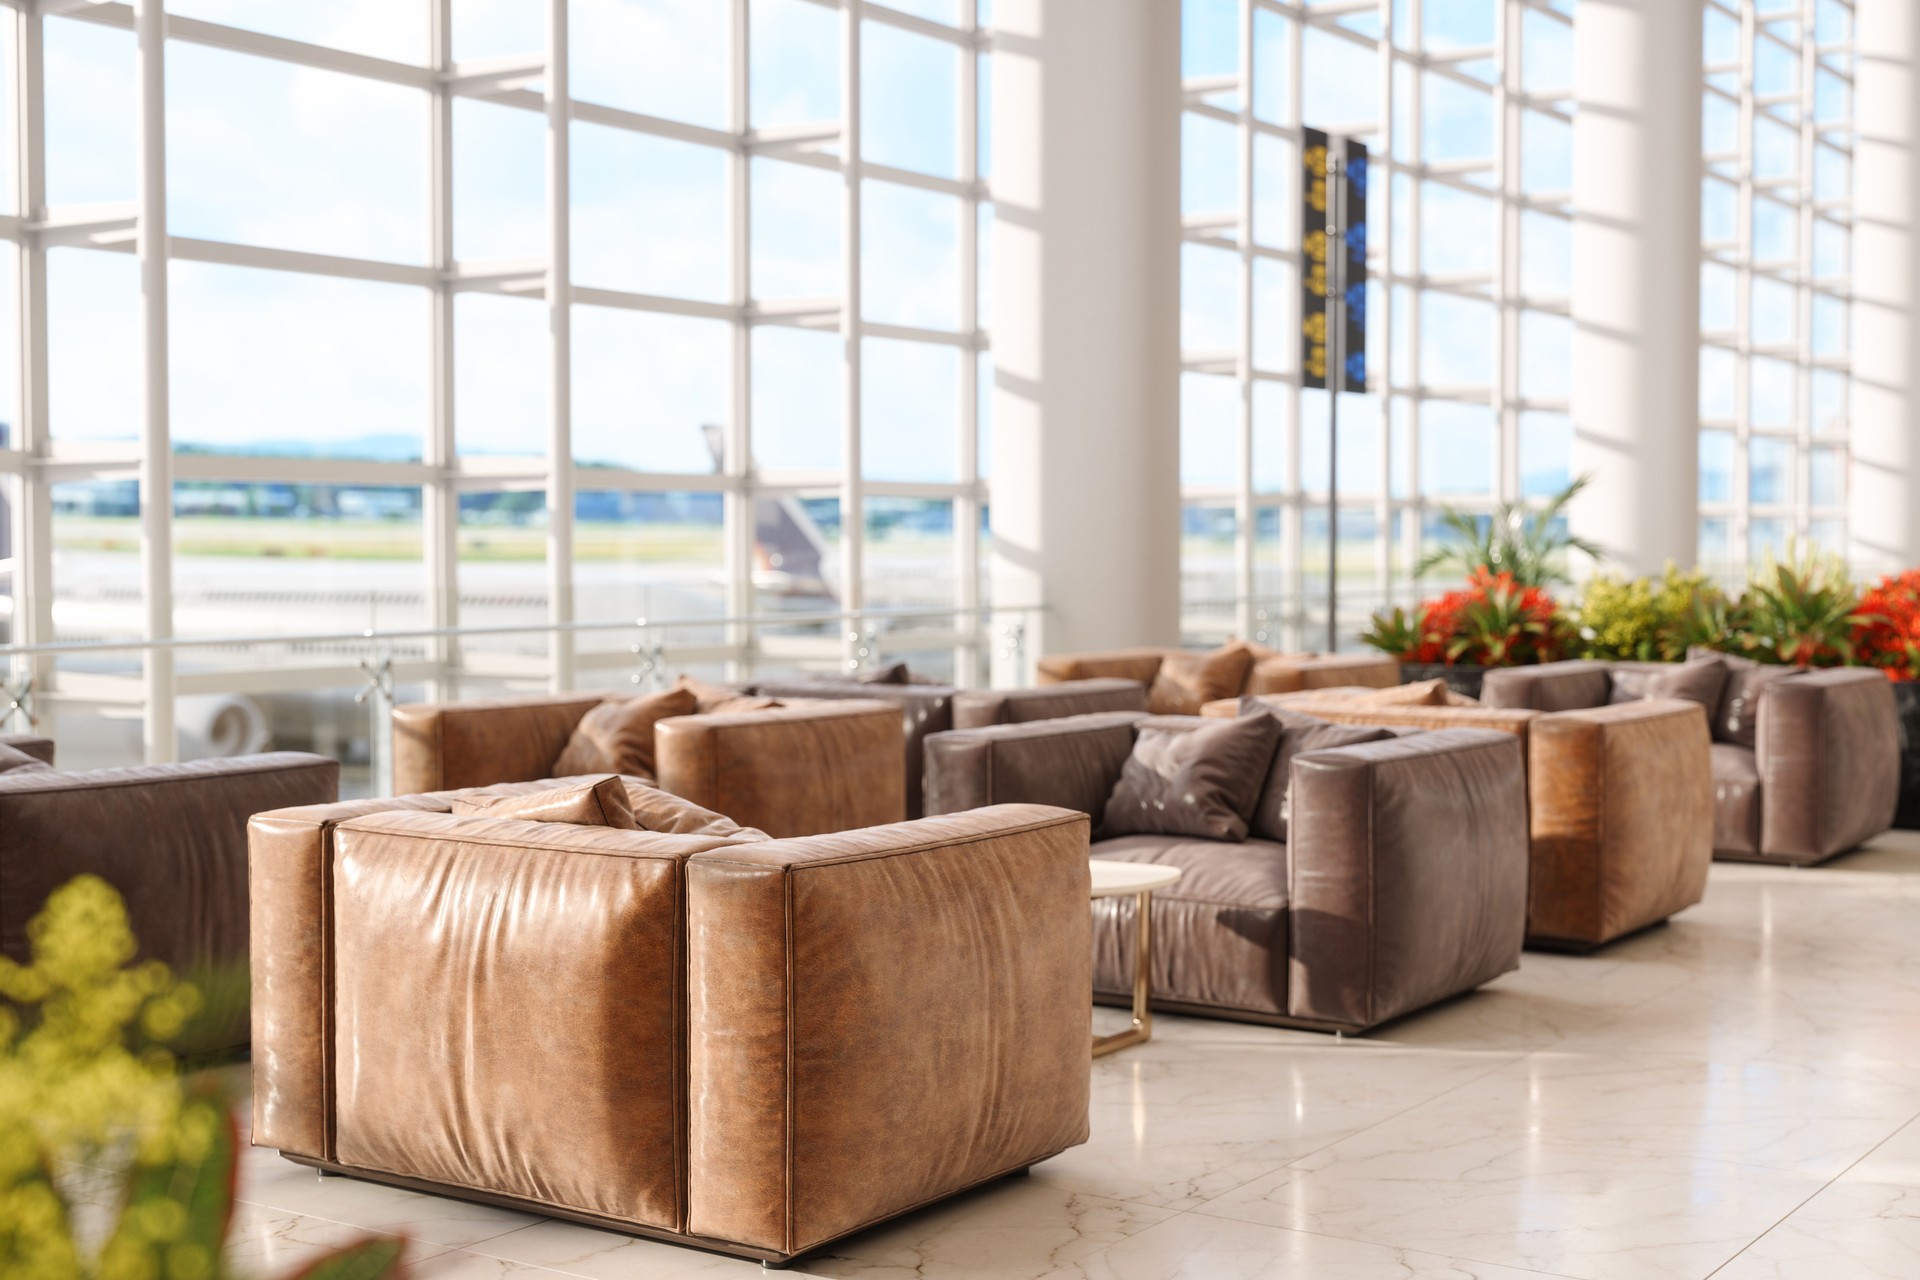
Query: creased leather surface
(1409, 873)
(923, 708)
(593, 802)
(1071, 762)
(617, 735)
(1551, 686)
(507, 1010)
(1123, 664)
(170, 838)
(454, 745)
(1219, 932)
(878, 1018)
(1829, 760)
(790, 771)
(1199, 778)
(1188, 680)
(1736, 799)
(1622, 818)
(975, 709)
(1342, 710)
(39, 748)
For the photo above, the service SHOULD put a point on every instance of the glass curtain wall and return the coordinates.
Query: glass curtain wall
(493, 313)
(1465, 106)
(1776, 212)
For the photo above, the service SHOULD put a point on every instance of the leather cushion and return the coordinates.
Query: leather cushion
(1201, 781)
(1738, 719)
(601, 803)
(1702, 682)
(617, 736)
(12, 760)
(718, 699)
(1299, 733)
(1421, 693)
(1185, 681)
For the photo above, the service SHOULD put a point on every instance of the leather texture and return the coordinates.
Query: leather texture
(923, 709)
(975, 709)
(862, 1037)
(602, 802)
(1623, 805)
(39, 748)
(1738, 721)
(1219, 932)
(1298, 735)
(1186, 680)
(1341, 709)
(1408, 873)
(1736, 800)
(1121, 664)
(790, 771)
(723, 699)
(1552, 686)
(1828, 755)
(1292, 673)
(1201, 778)
(454, 745)
(617, 736)
(171, 839)
(13, 759)
(1702, 681)
(1072, 762)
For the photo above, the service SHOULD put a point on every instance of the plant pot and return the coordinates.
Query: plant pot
(1906, 704)
(1461, 677)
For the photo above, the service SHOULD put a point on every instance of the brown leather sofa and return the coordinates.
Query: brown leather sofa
(1179, 681)
(1620, 801)
(1403, 880)
(39, 748)
(1808, 768)
(789, 770)
(705, 1037)
(935, 708)
(172, 839)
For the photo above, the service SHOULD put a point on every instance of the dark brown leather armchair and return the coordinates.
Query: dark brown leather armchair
(172, 839)
(747, 1045)
(789, 771)
(1403, 881)
(1821, 775)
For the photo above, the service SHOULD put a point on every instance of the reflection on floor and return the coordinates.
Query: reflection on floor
(1733, 1095)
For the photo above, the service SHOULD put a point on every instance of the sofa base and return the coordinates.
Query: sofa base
(772, 1259)
(1778, 859)
(1582, 947)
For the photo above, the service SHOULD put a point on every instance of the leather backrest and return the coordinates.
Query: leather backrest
(1343, 711)
(1123, 664)
(1828, 753)
(39, 748)
(974, 709)
(1292, 673)
(454, 745)
(879, 1018)
(924, 709)
(790, 771)
(1552, 686)
(1071, 762)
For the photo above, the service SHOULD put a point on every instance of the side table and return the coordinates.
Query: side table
(1139, 879)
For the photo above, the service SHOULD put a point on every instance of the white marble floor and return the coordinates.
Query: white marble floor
(1735, 1095)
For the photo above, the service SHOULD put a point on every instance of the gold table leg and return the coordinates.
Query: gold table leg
(1142, 1029)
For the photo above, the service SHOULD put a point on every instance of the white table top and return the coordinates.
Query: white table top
(1120, 879)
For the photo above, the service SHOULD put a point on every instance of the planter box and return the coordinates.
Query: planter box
(1461, 677)
(1906, 702)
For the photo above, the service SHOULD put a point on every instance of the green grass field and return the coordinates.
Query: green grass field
(390, 540)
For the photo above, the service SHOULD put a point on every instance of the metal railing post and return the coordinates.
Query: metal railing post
(377, 697)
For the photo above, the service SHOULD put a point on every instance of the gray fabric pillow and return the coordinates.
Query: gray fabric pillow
(1738, 719)
(1701, 682)
(1202, 781)
(1299, 733)
(13, 760)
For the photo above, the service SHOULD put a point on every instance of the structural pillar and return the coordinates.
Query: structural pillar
(156, 442)
(1883, 526)
(1086, 324)
(1636, 279)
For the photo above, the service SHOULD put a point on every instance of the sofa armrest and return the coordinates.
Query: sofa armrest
(455, 745)
(880, 1018)
(1828, 753)
(1622, 818)
(39, 748)
(790, 771)
(1342, 710)
(1117, 664)
(1551, 686)
(1072, 762)
(976, 709)
(1407, 873)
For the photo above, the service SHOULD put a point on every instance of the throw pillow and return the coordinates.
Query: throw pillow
(1298, 734)
(663, 811)
(14, 760)
(1202, 782)
(1701, 682)
(617, 736)
(718, 699)
(1738, 721)
(602, 803)
(1187, 681)
(892, 673)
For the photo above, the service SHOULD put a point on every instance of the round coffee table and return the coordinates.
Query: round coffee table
(1138, 879)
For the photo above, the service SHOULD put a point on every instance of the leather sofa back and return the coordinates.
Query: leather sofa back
(453, 745)
(923, 709)
(977, 708)
(1071, 762)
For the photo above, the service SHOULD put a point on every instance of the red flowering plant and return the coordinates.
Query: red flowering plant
(1493, 621)
(1887, 634)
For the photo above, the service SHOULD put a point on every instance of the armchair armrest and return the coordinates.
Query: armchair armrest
(1071, 762)
(1828, 754)
(880, 1018)
(450, 746)
(1407, 873)
(1551, 686)
(790, 771)
(975, 709)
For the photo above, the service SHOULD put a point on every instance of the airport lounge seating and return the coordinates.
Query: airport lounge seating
(1181, 681)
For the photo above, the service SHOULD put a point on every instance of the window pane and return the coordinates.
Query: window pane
(1341, 84)
(496, 28)
(650, 391)
(92, 110)
(1719, 381)
(1546, 356)
(909, 552)
(500, 375)
(1827, 477)
(660, 57)
(499, 182)
(93, 319)
(910, 405)
(1716, 466)
(1771, 391)
(1209, 165)
(908, 97)
(1275, 346)
(1209, 281)
(1456, 121)
(1456, 448)
(910, 256)
(379, 28)
(649, 214)
(1546, 453)
(1769, 471)
(796, 399)
(648, 555)
(1457, 230)
(795, 73)
(796, 231)
(1209, 431)
(1456, 341)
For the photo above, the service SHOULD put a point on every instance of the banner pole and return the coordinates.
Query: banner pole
(1336, 370)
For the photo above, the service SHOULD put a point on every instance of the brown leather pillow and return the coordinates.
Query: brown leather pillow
(663, 811)
(718, 699)
(1738, 719)
(1300, 733)
(1200, 782)
(617, 736)
(1187, 681)
(1702, 682)
(602, 803)
(14, 760)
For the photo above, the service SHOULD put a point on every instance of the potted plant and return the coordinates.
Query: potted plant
(1888, 637)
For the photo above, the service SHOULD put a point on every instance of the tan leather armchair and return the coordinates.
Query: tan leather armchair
(747, 1045)
(1620, 799)
(789, 771)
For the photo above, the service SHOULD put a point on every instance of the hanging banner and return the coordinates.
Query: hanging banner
(1354, 276)
(1314, 208)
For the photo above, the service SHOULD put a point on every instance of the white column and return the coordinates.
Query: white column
(853, 488)
(156, 444)
(1636, 278)
(1086, 323)
(559, 352)
(1884, 527)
